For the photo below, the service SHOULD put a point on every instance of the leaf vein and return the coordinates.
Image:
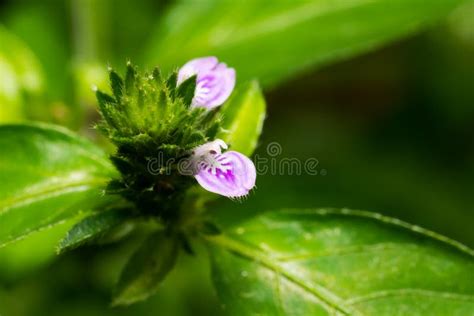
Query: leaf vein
(328, 299)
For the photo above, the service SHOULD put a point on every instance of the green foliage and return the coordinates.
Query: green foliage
(242, 118)
(94, 227)
(42, 26)
(277, 41)
(154, 127)
(147, 267)
(47, 175)
(330, 262)
(21, 80)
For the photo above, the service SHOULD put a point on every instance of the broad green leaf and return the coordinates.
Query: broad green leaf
(47, 175)
(93, 227)
(243, 117)
(328, 262)
(147, 267)
(21, 77)
(274, 41)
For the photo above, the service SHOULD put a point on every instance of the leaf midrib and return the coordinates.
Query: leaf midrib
(323, 294)
(6, 205)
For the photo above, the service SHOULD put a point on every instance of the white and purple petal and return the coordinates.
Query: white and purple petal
(214, 84)
(229, 174)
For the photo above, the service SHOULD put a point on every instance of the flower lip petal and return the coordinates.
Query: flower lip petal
(234, 177)
(246, 169)
(230, 174)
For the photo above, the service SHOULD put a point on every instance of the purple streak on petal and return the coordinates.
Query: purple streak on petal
(215, 81)
(235, 178)
(195, 66)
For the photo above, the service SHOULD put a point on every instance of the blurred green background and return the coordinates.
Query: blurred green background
(388, 113)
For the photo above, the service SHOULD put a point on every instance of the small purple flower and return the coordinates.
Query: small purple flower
(230, 174)
(215, 81)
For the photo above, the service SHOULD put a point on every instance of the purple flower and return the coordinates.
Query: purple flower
(215, 81)
(230, 174)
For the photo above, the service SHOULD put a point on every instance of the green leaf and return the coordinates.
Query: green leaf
(277, 41)
(147, 267)
(47, 175)
(329, 262)
(243, 117)
(93, 227)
